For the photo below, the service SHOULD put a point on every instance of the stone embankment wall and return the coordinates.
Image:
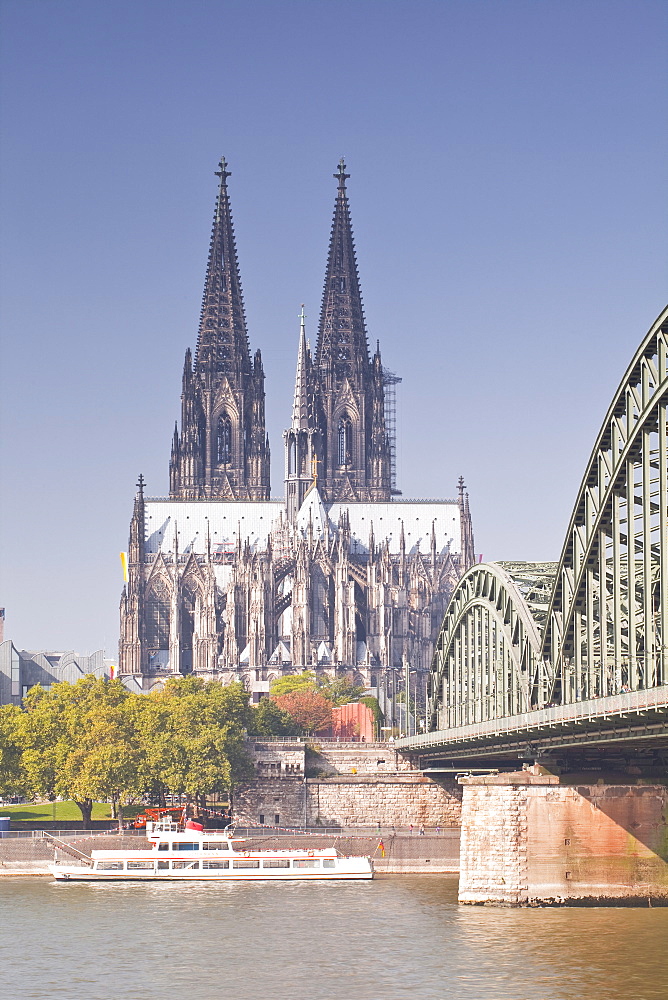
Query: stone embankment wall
(389, 799)
(392, 853)
(343, 784)
(528, 839)
(401, 853)
(32, 855)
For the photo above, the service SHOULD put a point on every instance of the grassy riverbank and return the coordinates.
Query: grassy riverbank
(64, 812)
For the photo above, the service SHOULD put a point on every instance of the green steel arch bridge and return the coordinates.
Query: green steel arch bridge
(569, 660)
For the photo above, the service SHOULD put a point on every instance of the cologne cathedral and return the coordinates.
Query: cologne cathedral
(340, 576)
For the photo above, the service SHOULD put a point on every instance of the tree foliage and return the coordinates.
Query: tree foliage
(378, 718)
(78, 742)
(270, 720)
(94, 740)
(310, 710)
(337, 690)
(201, 735)
(12, 781)
(340, 690)
(293, 682)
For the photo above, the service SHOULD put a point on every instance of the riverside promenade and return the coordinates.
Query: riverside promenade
(30, 852)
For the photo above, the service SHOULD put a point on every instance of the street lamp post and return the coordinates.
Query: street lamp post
(305, 803)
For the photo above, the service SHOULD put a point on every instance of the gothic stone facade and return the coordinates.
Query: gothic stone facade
(339, 576)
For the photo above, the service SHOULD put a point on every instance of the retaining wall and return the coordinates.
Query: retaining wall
(351, 785)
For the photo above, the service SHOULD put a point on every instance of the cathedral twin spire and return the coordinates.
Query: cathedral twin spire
(338, 432)
(222, 342)
(222, 451)
(343, 351)
(348, 443)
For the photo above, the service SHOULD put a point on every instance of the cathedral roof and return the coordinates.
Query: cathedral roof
(312, 512)
(223, 522)
(416, 516)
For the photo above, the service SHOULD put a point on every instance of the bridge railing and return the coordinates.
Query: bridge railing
(631, 703)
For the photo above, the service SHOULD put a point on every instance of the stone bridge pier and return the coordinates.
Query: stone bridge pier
(530, 838)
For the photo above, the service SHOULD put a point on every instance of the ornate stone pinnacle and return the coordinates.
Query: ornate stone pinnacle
(341, 174)
(223, 172)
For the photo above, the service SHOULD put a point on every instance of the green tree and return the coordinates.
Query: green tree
(340, 690)
(270, 720)
(154, 735)
(203, 741)
(95, 740)
(12, 781)
(337, 690)
(305, 681)
(78, 742)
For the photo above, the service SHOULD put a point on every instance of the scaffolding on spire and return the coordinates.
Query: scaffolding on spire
(390, 383)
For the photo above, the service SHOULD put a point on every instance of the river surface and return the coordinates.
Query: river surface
(395, 938)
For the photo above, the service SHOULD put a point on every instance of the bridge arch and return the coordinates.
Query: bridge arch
(597, 627)
(604, 632)
(487, 658)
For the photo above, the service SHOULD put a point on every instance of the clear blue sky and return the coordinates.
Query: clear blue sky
(508, 194)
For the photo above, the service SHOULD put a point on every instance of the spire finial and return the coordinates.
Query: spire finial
(461, 487)
(141, 483)
(223, 172)
(341, 175)
(302, 319)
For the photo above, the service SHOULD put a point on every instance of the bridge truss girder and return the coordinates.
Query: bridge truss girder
(486, 662)
(602, 633)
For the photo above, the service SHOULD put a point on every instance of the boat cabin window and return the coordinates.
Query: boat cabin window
(162, 865)
(329, 863)
(109, 866)
(245, 864)
(185, 864)
(215, 863)
(140, 864)
(216, 845)
(164, 847)
(186, 847)
(276, 863)
(306, 863)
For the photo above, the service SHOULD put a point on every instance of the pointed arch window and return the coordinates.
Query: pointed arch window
(292, 456)
(345, 440)
(224, 439)
(201, 434)
(187, 621)
(157, 617)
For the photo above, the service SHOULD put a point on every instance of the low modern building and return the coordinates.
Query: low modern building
(22, 669)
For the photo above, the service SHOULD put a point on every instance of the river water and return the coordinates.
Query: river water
(395, 938)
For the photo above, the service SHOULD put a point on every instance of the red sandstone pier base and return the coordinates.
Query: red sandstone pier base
(531, 839)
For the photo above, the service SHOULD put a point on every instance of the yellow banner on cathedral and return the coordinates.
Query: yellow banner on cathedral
(124, 564)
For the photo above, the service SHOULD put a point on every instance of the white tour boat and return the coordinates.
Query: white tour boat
(194, 854)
